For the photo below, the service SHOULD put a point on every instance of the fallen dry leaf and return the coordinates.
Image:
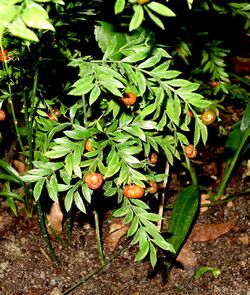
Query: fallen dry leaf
(247, 172)
(187, 258)
(241, 64)
(244, 240)
(200, 233)
(205, 199)
(207, 232)
(55, 218)
(117, 230)
(230, 204)
(20, 166)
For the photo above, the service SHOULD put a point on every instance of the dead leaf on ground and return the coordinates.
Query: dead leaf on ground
(55, 218)
(200, 233)
(244, 240)
(207, 232)
(20, 166)
(247, 172)
(117, 230)
(205, 199)
(187, 258)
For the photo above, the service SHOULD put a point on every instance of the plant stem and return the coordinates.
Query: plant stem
(29, 117)
(162, 199)
(193, 175)
(231, 166)
(28, 204)
(98, 238)
(43, 230)
(28, 113)
(68, 225)
(219, 202)
(10, 101)
(85, 115)
(192, 172)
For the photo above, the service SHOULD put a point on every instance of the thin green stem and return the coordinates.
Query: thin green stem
(163, 197)
(53, 231)
(42, 225)
(98, 238)
(219, 202)
(29, 117)
(231, 165)
(10, 101)
(28, 204)
(192, 172)
(68, 225)
(28, 114)
(85, 114)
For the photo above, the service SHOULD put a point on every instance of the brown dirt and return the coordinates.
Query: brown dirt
(26, 269)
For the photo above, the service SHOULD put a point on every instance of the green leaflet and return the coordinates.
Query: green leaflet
(183, 215)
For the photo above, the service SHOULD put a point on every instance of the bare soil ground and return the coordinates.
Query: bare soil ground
(26, 269)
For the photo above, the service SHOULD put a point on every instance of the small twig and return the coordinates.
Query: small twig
(162, 199)
(98, 238)
(45, 254)
(90, 275)
(219, 202)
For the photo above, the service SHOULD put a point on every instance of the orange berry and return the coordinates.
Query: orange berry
(153, 158)
(133, 191)
(2, 115)
(4, 55)
(152, 187)
(141, 2)
(88, 146)
(54, 114)
(208, 117)
(213, 84)
(93, 180)
(190, 151)
(129, 99)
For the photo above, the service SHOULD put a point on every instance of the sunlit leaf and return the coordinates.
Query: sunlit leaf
(35, 16)
(38, 188)
(160, 9)
(119, 6)
(69, 199)
(155, 19)
(79, 202)
(52, 188)
(17, 28)
(137, 18)
(94, 94)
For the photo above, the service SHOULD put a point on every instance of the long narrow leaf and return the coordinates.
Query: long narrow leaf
(4, 165)
(183, 215)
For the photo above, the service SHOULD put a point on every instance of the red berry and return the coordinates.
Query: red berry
(54, 114)
(88, 146)
(152, 187)
(129, 99)
(208, 117)
(190, 151)
(93, 180)
(133, 191)
(2, 115)
(153, 158)
(4, 56)
(213, 84)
